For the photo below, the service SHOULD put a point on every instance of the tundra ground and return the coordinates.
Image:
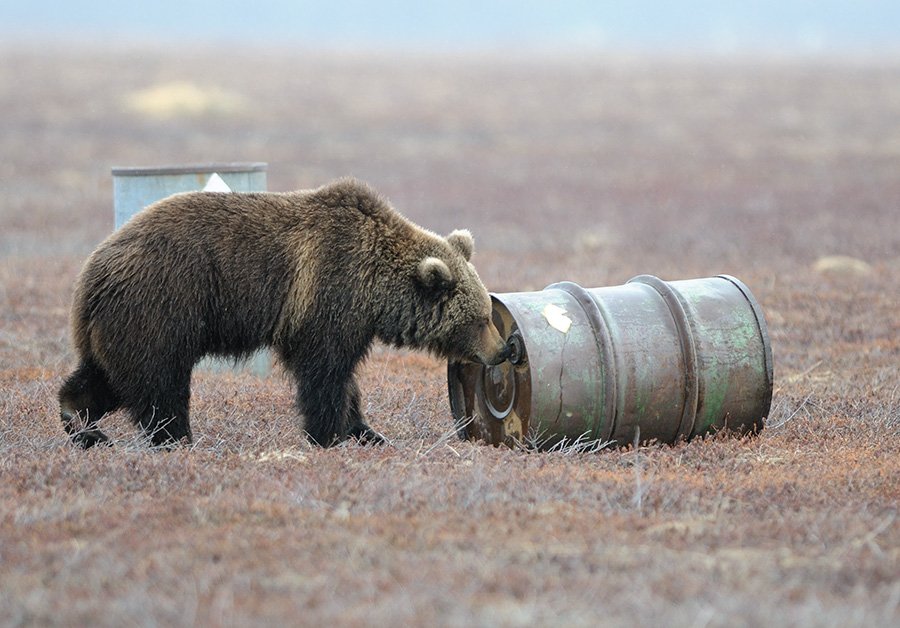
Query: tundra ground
(593, 170)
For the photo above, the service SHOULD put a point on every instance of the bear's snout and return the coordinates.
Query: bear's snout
(506, 353)
(498, 351)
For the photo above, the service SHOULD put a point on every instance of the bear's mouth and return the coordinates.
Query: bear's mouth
(499, 358)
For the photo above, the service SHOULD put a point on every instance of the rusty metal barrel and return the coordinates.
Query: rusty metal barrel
(649, 360)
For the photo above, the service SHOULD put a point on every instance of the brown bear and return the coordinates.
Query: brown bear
(317, 275)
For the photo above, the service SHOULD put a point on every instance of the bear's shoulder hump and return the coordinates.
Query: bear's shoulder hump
(349, 193)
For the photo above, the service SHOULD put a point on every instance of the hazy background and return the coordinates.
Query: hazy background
(720, 26)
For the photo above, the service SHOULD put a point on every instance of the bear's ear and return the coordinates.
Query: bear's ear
(434, 274)
(462, 241)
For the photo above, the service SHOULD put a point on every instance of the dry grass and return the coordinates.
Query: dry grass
(592, 171)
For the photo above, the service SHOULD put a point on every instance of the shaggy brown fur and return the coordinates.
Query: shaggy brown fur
(317, 275)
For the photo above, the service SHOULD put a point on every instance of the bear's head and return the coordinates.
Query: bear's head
(453, 308)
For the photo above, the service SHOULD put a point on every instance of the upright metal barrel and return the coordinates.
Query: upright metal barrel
(648, 360)
(136, 187)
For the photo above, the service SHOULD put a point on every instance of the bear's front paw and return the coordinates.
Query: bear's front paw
(88, 438)
(365, 435)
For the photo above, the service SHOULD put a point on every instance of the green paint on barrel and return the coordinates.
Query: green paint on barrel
(650, 359)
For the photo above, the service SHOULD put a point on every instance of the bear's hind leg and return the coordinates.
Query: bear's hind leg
(83, 400)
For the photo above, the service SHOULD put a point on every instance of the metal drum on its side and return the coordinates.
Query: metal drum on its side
(648, 360)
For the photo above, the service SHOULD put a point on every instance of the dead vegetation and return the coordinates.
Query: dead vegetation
(593, 171)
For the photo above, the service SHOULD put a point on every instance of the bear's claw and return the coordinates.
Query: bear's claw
(365, 435)
(88, 438)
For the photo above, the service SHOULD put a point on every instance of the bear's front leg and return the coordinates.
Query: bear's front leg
(323, 399)
(330, 404)
(358, 427)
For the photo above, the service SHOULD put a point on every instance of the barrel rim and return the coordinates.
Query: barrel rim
(763, 333)
(197, 168)
(606, 349)
(496, 412)
(457, 398)
(678, 309)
